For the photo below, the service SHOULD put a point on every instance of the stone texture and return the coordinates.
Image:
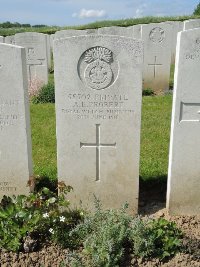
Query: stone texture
(10, 39)
(136, 31)
(15, 148)
(157, 39)
(48, 51)
(177, 26)
(70, 33)
(191, 24)
(98, 81)
(183, 195)
(1, 39)
(36, 55)
(115, 30)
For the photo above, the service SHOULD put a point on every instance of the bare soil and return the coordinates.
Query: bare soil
(152, 203)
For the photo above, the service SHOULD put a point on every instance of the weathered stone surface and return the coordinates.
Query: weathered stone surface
(1, 39)
(70, 33)
(36, 54)
(115, 30)
(183, 195)
(15, 148)
(98, 82)
(10, 39)
(157, 39)
(191, 24)
(48, 51)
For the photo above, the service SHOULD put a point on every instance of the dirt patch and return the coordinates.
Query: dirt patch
(152, 203)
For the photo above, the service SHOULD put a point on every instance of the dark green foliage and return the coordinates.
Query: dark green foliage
(197, 10)
(155, 238)
(147, 92)
(46, 94)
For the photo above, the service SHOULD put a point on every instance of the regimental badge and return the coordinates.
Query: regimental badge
(98, 73)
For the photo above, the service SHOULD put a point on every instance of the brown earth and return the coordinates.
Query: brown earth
(152, 202)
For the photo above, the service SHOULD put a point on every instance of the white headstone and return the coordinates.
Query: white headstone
(48, 51)
(98, 81)
(1, 39)
(70, 33)
(136, 31)
(157, 39)
(115, 30)
(15, 136)
(36, 54)
(10, 39)
(183, 196)
(177, 26)
(191, 24)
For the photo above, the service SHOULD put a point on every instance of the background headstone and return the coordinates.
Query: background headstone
(183, 196)
(191, 24)
(115, 30)
(1, 39)
(49, 51)
(70, 33)
(157, 39)
(15, 135)
(98, 82)
(10, 39)
(36, 55)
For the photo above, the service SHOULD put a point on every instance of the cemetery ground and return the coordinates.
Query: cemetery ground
(155, 133)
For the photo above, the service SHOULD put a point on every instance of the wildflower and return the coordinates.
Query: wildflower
(45, 215)
(51, 231)
(81, 213)
(62, 219)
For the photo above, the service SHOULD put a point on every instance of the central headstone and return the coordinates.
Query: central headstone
(98, 82)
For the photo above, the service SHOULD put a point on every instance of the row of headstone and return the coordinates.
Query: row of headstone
(98, 82)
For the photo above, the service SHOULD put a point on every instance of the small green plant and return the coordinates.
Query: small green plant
(103, 235)
(147, 92)
(46, 94)
(37, 217)
(155, 238)
(106, 235)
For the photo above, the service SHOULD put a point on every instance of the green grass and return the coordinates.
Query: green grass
(155, 134)
(44, 139)
(156, 113)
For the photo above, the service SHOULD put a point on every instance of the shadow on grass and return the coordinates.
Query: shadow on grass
(152, 194)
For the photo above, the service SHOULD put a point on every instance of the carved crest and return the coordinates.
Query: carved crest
(157, 35)
(98, 73)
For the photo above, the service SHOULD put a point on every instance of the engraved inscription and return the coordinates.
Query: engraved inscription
(30, 52)
(7, 187)
(8, 113)
(189, 112)
(155, 64)
(98, 106)
(157, 35)
(97, 68)
(98, 145)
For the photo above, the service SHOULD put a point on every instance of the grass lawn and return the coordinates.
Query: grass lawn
(156, 114)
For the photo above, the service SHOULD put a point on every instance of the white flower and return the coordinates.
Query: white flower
(45, 215)
(81, 213)
(51, 231)
(62, 219)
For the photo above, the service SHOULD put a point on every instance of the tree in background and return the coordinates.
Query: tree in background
(197, 10)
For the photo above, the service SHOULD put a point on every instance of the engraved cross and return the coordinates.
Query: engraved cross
(98, 145)
(155, 64)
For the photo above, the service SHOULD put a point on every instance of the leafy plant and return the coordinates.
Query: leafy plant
(197, 10)
(103, 235)
(46, 94)
(155, 238)
(39, 216)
